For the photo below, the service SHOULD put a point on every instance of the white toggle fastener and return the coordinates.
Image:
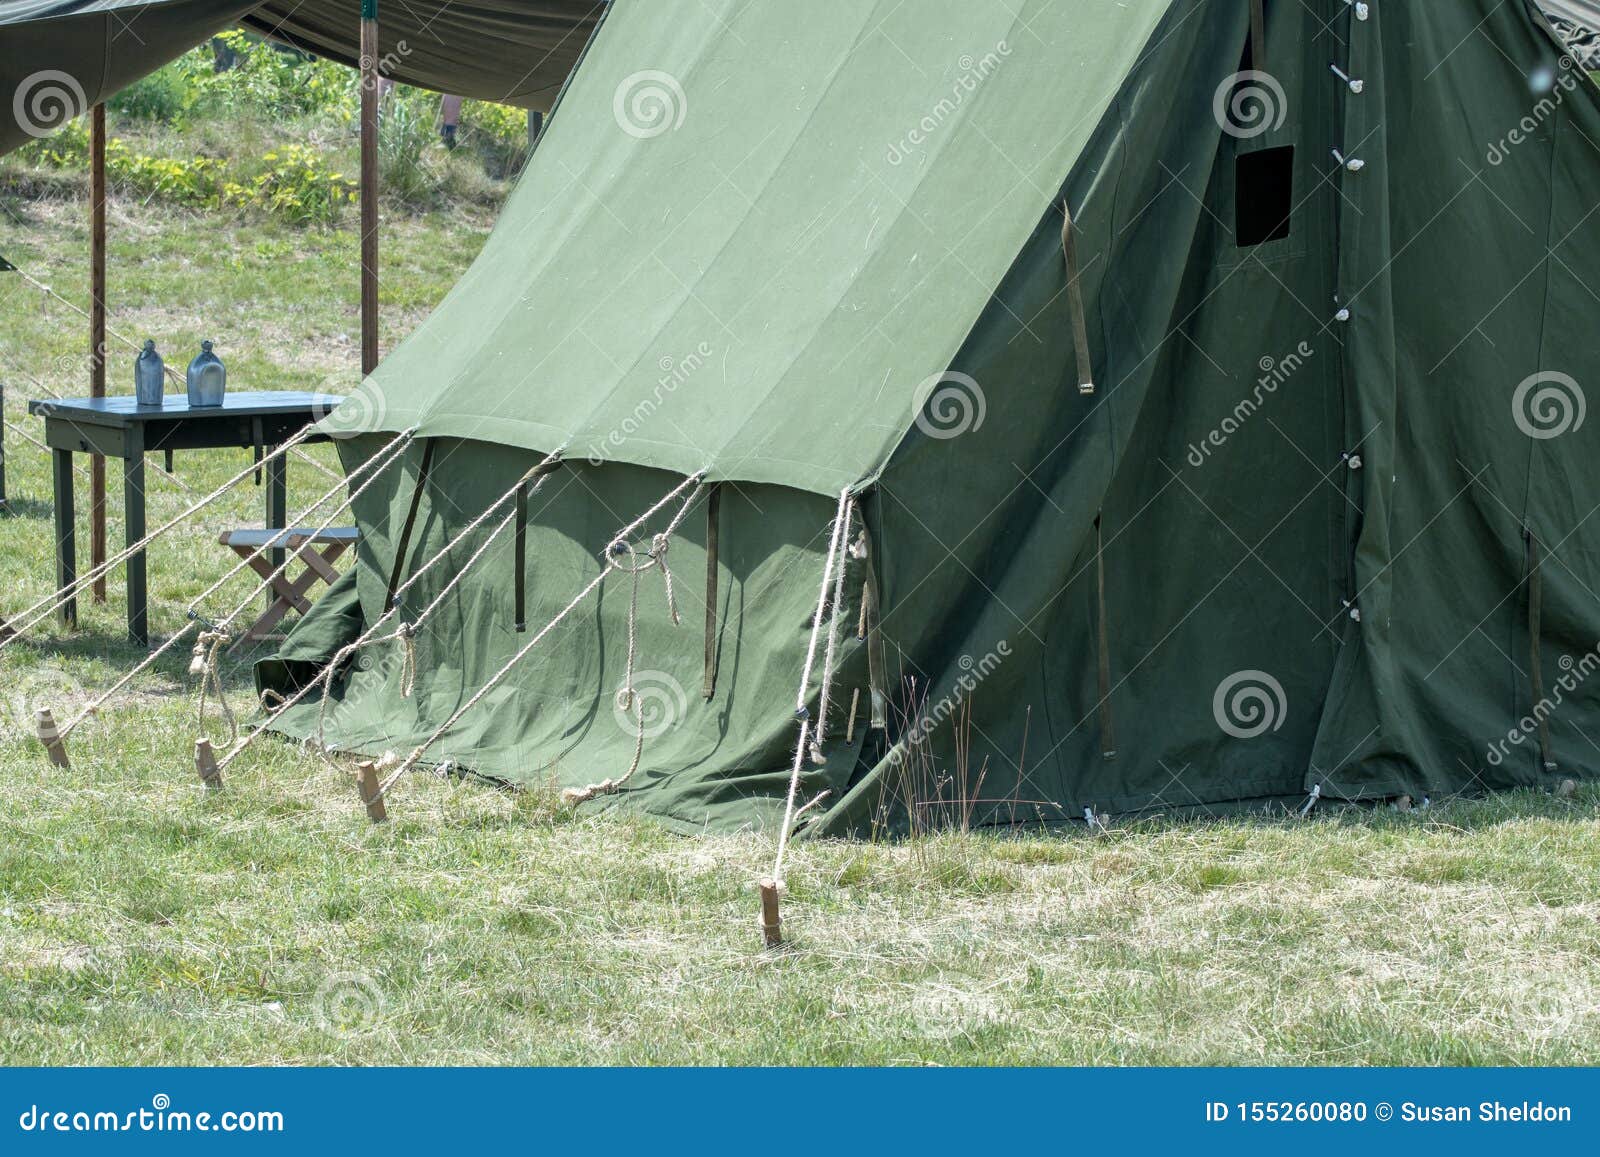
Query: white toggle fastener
(1354, 461)
(1356, 86)
(1362, 11)
(1354, 164)
(1342, 315)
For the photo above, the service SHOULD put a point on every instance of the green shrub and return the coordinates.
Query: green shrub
(161, 96)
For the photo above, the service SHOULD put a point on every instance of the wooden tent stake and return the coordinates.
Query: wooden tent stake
(371, 795)
(205, 763)
(771, 923)
(54, 745)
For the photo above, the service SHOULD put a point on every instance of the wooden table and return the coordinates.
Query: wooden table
(119, 428)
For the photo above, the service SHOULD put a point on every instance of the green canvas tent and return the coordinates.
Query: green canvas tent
(1287, 493)
(57, 57)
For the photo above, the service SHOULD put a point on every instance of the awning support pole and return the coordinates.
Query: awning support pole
(97, 335)
(369, 186)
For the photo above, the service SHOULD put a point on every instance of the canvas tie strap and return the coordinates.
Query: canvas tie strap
(868, 629)
(1080, 326)
(1535, 669)
(713, 533)
(403, 547)
(519, 561)
(1108, 730)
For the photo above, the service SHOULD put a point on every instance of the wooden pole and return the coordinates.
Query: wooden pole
(97, 335)
(771, 923)
(369, 186)
(50, 736)
(205, 763)
(367, 785)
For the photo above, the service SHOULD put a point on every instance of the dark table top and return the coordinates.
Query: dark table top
(123, 411)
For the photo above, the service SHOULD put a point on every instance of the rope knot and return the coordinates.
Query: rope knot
(573, 796)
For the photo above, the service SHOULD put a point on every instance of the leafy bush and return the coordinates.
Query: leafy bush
(298, 188)
(161, 96)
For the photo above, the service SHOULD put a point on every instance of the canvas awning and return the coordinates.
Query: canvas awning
(61, 56)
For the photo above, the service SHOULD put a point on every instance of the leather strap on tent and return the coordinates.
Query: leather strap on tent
(713, 532)
(873, 633)
(525, 489)
(519, 562)
(1535, 671)
(1108, 729)
(1258, 35)
(404, 547)
(1080, 327)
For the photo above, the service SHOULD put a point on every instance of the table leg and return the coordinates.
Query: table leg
(66, 536)
(133, 516)
(277, 505)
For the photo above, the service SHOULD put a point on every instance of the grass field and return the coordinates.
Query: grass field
(142, 921)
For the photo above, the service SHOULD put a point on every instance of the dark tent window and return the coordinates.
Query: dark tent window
(1264, 196)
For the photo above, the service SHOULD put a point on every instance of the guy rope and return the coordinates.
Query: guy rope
(326, 674)
(42, 609)
(771, 886)
(616, 550)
